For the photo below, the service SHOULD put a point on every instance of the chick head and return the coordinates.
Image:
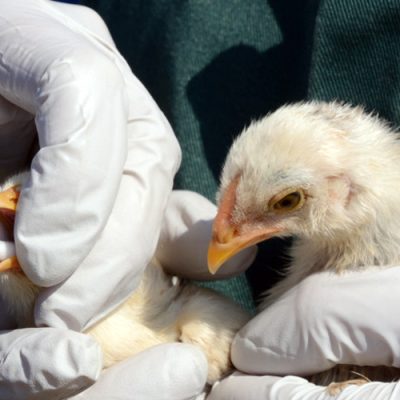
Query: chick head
(305, 170)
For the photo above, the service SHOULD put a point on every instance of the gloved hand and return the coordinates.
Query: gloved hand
(185, 235)
(172, 371)
(325, 320)
(60, 362)
(101, 179)
(89, 219)
(169, 371)
(89, 203)
(49, 363)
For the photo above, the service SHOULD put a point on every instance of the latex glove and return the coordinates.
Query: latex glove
(250, 387)
(46, 363)
(99, 186)
(100, 182)
(173, 371)
(56, 363)
(170, 371)
(43, 363)
(325, 320)
(185, 235)
(65, 362)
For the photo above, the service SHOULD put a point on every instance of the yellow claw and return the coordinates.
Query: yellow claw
(8, 205)
(9, 263)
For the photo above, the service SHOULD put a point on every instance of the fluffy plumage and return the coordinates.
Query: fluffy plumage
(326, 174)
(161, 310)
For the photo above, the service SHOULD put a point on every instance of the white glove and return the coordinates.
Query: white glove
(89, 219)
(101, 179)
(173, 371)
(46, 363)
(325, 320)
(185, 235)
(250, 387)
(62, 362)
(50, 363)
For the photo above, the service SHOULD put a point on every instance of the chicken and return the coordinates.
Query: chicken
(326, 174)
(161, 310)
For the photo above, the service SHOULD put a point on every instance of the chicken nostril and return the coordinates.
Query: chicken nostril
(226, 235)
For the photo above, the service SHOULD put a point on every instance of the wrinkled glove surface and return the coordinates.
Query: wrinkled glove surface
(325, 320)
(99, 185)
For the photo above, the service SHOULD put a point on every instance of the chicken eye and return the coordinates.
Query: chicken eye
(288, 201)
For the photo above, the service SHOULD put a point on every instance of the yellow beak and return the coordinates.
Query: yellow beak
(9, 263)
(8, 205)
(227, 242)
(227, 237)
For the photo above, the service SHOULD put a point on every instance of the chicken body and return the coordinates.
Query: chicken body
(326, 174)
(164, 310)
(161, 310)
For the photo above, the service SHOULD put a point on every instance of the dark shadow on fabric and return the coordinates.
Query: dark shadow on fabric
(241, 85)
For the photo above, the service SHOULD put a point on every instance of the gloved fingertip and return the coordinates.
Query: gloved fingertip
(86, 354)
(75, 359)
(184, 369)
(239, 386)
(7, 249)
(37, 269)
(192, 360)
(46, 363)
(168, 371)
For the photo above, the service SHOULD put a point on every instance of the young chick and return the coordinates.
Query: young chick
(326, 174)
(161, 310)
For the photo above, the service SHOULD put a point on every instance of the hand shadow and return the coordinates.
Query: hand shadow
(242, 84)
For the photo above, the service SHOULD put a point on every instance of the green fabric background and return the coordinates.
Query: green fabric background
(215, 65)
